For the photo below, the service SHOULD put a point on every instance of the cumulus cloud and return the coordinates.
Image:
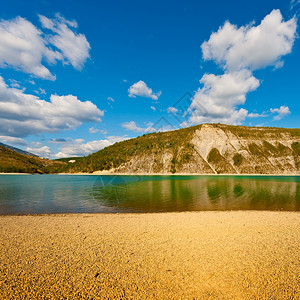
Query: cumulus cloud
(79, 148)
(172, 110)
(14, 83)
(25, 47)
(13, 140)
(221, 95)
(94, 130)
(133, 127)
(23, 114)
(43, 151)
(239, 51)
(40, 91)
(141, 89)
(281, 112)
(73, 46)
(257, 115)
(252, 47)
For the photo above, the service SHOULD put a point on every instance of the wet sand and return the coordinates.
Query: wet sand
(193, 255)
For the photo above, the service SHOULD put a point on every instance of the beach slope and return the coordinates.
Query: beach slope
(202, 255)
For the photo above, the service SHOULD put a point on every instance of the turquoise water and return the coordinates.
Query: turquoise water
(38, 194)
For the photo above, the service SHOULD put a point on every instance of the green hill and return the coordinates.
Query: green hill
(201, 149)
(205, 149)
(15, 162)
(18, 150)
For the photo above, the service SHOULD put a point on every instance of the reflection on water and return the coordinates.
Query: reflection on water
(73, 194)
(194, 193)
(238, 190)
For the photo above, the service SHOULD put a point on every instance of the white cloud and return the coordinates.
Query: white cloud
(43, 151)
(133, 127)
(73, 46)
(25, 47)
(78, 148)
(172, 110)
(24, 114)
(141, 89)
(110, 99)
(35, 144)
(22, 47)
(13, 140)
(148, 124)
(14, 83)
(257, 115)
(281, 112)
(94, 130)
(40, 91)
(153, 108)
(218, 99)
(252, 47)
(239, 51)
(150, 127)
(254, 115)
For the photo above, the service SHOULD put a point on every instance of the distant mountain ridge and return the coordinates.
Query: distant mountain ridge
(18, 150)
(12, 161)
(201, 149)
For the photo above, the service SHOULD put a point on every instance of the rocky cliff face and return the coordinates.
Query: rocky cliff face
(249, 150)
(204, 149)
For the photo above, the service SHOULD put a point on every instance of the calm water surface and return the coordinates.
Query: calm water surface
(36, 194)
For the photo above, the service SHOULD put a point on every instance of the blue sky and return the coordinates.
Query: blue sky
(77, 76)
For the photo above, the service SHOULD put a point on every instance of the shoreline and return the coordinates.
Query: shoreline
(98, 173)
(227, 255)
(67, 214)
(3, 173)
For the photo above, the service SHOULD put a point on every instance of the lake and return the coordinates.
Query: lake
(41, 194)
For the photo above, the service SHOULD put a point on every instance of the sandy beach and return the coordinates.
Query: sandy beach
(194, 255)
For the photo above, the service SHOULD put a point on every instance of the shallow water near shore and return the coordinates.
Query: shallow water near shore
(43, 194)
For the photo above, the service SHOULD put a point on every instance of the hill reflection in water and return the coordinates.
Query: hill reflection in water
(196, 193)
(42, 194)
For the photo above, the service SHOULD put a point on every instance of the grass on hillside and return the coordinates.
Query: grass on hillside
(14, 162)
(177, 143)
(113, 156)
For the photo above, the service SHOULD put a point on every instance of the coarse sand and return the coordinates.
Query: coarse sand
(191, 255)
